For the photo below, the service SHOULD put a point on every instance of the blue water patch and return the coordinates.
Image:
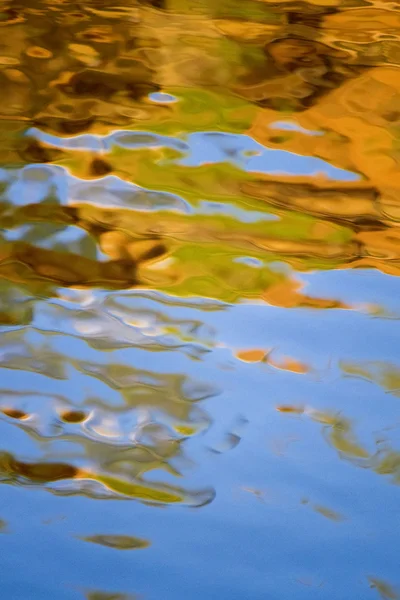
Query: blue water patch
(249, 261)
(113, 192)
(247, 154)
(133, 140)
(211, 147)
(36, 183)
(163, 98)
(87, 141)
(245, 215)
(293, 126)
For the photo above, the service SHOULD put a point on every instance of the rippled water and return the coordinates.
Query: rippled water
(199, 265)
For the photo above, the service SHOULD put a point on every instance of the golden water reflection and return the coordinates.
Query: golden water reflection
(163, 164)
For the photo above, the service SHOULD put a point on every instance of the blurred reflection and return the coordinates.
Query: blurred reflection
(199, 199)
(3, 526)
(119, 542)
(384, 589)
(338, 432)
(384, 374)
(97, 595)
(14, 471)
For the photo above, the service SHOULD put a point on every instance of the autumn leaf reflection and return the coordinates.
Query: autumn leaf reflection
(172, 171)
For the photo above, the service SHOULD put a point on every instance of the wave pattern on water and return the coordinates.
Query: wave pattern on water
(199, 259)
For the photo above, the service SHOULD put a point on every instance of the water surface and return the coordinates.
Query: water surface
(199, 339)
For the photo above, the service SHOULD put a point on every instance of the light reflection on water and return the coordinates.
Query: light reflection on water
(199, 268)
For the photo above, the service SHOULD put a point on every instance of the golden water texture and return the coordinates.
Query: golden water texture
(101, 212)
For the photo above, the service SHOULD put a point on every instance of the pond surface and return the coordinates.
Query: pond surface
(199, 310)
